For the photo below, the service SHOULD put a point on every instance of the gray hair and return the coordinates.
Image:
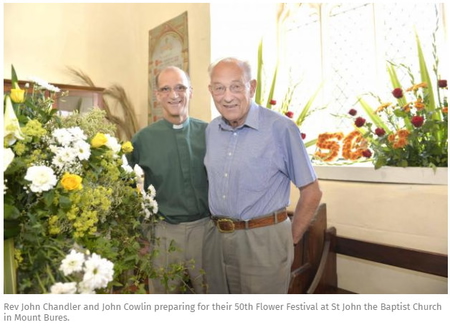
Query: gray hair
(244, 65)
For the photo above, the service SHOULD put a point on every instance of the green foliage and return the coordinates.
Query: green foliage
(415, 124)
(103, 213)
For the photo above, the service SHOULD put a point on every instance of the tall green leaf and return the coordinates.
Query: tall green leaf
(395, 82)
(258, 93)
(373, 116)
(307, 107)
(425, 76)
(272, 86)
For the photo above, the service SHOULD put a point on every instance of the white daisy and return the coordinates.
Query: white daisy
(82, 150)
(62, 136)
(73, 262)
(77, 133)
(97, 272)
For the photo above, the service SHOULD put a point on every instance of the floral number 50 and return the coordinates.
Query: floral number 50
(353, 146)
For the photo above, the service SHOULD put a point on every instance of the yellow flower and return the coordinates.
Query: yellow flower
(99, 140)
(11, 126)
(17, 95)
(127, 147)
(71, 182)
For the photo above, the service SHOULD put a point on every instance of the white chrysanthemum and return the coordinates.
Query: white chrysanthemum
(64, 288)
(66, 154)
(73, 262)
(82, 150)
(112, 143)
(77, 133)
(154, 206)
(53, 148)
(152, 191)
(44, 84)
(127, 168)
(42, 178)
(97, 272)
(82, 289)
(62, 136)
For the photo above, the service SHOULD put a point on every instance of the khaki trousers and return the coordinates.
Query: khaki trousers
(179, 244)
(248, 261)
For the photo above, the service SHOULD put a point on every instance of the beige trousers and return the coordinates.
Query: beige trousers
(179, 246)
(248, 261)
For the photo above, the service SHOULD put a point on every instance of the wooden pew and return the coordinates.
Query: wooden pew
(314, 268)
(406, 258)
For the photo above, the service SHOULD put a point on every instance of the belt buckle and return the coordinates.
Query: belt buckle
(228, 225)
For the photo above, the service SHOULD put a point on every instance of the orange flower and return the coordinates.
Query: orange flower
(414, 88)
(323, 142)
(383, 106)
(399, 139)
(445, 110)
(419, 105)
(407, 108)
(354, 145)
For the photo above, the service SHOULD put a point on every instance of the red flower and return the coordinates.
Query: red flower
(442, 83)
(290, 114)
(398, 93)
(417, 121)
(360, 121)
(303, 136)
(367, 153)
(273, 102)
(352, 112)
(379, 131)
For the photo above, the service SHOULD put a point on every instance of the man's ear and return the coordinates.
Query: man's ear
(252, 87)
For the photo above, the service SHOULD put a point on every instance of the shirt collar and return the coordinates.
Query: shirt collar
(176, 127)
(251, 121)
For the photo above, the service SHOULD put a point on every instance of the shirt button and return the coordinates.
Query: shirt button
(226, 175)
(229, 154)
(223, 197)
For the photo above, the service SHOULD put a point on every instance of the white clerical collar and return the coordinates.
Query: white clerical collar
(177, 126)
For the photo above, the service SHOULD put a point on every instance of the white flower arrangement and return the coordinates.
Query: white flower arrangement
(98, 272)
(149, 205)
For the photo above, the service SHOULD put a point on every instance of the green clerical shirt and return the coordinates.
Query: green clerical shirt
(171, 157)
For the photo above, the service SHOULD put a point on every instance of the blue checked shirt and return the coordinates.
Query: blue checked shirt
(250, 167)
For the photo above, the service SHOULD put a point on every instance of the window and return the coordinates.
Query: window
(347, 46)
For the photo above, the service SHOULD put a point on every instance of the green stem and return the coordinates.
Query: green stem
(9, 271)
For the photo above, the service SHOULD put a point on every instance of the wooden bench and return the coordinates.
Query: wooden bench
(315, 271)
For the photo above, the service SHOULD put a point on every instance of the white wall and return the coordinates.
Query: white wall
(108, 42)
(407, 215)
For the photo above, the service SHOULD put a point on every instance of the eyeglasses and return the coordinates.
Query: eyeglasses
(219, 89)
(179, 89)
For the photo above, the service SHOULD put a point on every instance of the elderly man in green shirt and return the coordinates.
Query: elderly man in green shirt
(171, 152)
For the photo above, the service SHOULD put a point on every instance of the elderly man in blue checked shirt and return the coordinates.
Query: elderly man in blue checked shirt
(252, 156)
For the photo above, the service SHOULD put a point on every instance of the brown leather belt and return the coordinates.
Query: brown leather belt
(229, 225)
